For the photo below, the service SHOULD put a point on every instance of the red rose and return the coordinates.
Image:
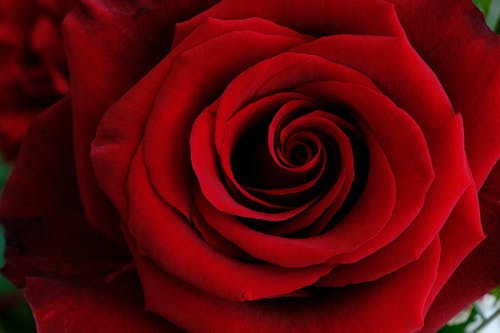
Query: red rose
(32, 64)
(284, 166)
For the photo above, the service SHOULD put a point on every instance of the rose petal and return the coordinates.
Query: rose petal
(461, 233)
(197, 84)
(280, 74)
(205, 163)
(166, 237)
(248, 158)
(464, 55)
(47, 234)
(371, 17)
(215, 240)
(61, 307)
(480, 272)
(451, 181)
(391, 127)
(121, 128)
(367, 218)
(297, 315)
(395, 68)
(274, 75)
(131, 40)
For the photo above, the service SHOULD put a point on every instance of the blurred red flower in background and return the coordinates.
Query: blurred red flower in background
(33, 71)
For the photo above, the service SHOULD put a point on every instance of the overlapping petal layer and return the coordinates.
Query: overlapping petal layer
(257, 169)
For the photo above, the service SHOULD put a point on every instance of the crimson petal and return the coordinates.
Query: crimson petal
(60, 307)
(132, 38)
(298, 315)
(465, 56)
(47, 233)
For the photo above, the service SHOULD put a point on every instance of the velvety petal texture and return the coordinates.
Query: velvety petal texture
(71, 307)
(479, 272)
(467, 39)
(133, 36)
(47, 233)
(322, 312)
(264, 166)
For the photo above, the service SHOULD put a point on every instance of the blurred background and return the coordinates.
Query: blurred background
(481, 317)
(15, 314)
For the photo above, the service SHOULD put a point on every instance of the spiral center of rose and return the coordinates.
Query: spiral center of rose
(299, 153)
(294, 168)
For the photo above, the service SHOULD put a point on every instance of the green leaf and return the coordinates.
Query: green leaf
(22, 315)
(5, 286)
(19, 319)
(483, 5)
(493, 15)
(2, 246)
(496, 292)
(5, 169)
(491, 12)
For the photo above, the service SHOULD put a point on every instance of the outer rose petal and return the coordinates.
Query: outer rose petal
(480, 272)
(460, 235)
(133, 36)
(157, 291)
(465, 55)
(350, 309)
(47, 234)
(62, 307)
(359, 17)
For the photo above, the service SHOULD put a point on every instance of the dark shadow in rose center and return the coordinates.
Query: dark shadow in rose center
(254, 167)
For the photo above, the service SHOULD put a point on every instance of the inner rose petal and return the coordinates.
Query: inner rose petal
(392, 128)
(206, 165)
(307, 189)
(452, 179)
(186, 255)
(269, 79)
(369, 215)
(332, 187)
(279, 74)
(243, 144)
(124, 125)
(173, 113)
(259, 165)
